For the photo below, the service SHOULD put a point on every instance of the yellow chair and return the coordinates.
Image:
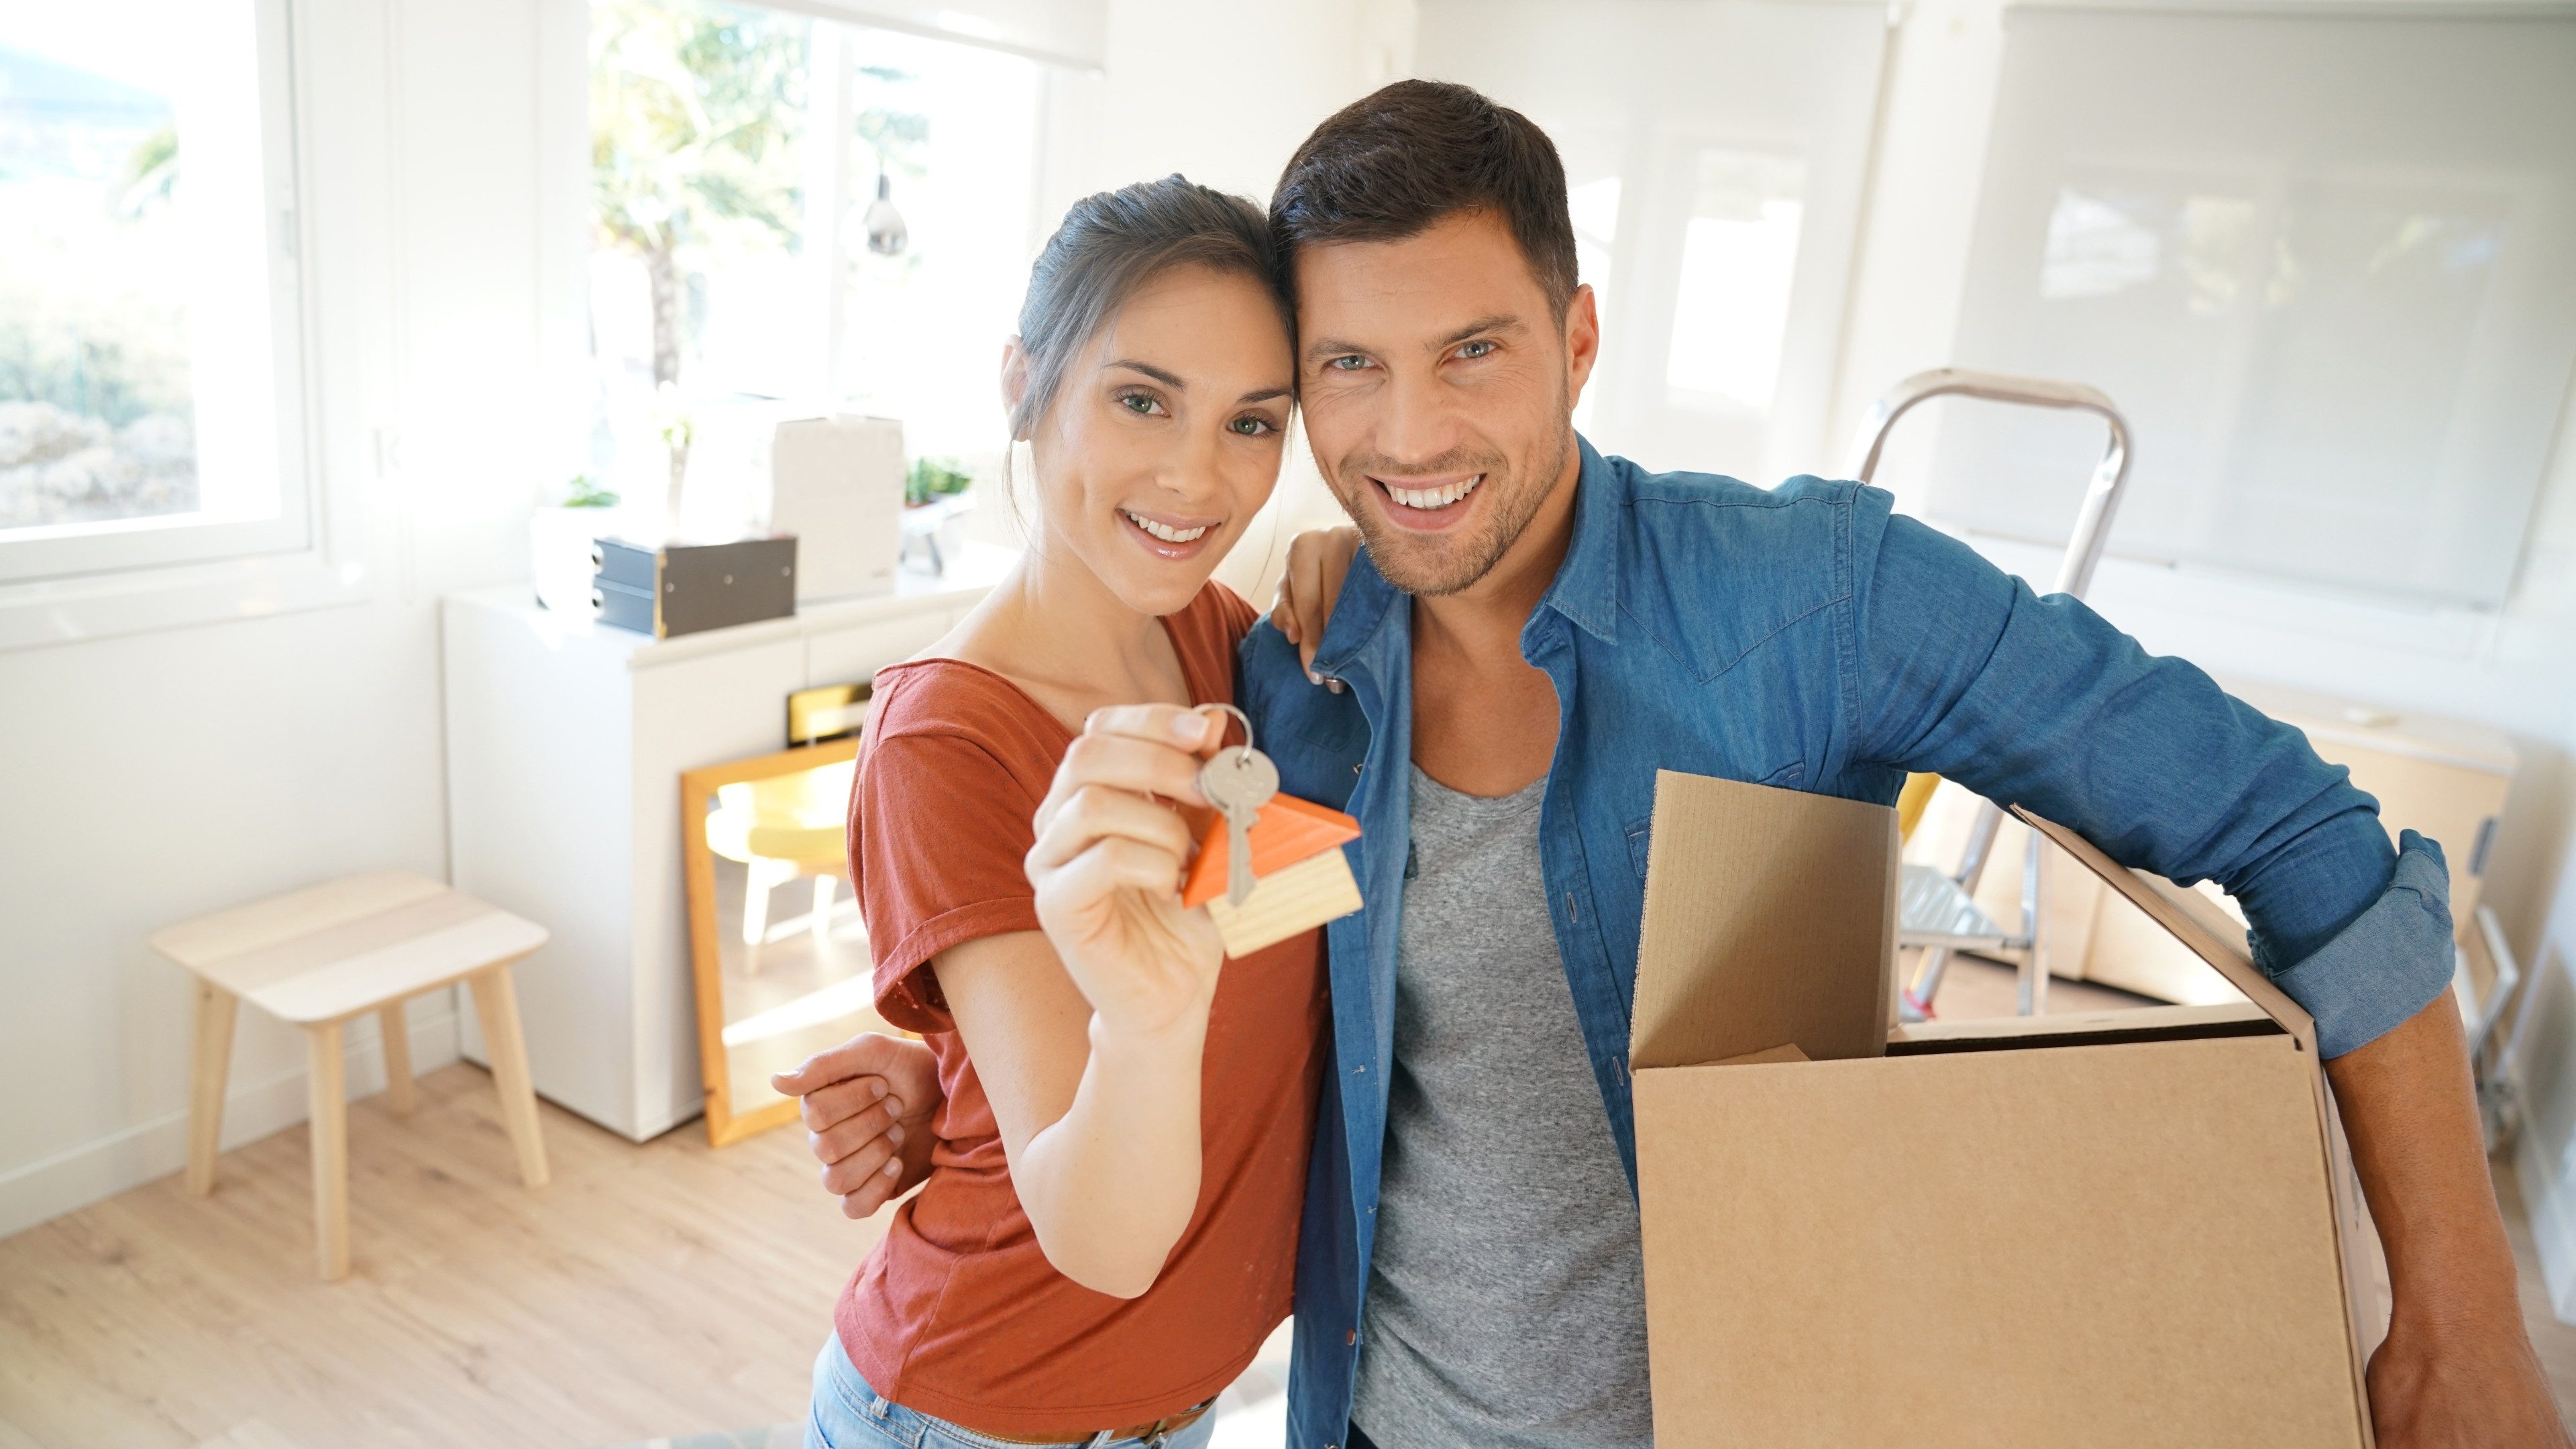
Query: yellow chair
(782, 828)
(1912, 801)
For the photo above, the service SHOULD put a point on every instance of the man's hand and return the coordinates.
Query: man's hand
(1318, 560)
(2461, 1385)
(867, 1105)
(2457, 1371)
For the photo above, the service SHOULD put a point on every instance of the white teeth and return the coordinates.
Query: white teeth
(1433, 497)
(1165, 533)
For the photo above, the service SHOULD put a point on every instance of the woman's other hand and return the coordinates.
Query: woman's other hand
(1318, 560)
(1108, 865)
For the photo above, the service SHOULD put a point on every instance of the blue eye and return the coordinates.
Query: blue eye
(1481, 347)
(1352, 362)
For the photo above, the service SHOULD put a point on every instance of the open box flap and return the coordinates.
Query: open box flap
(2191, 920)
(1770, 920)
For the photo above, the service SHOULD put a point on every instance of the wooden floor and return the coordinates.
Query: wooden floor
(2555, 1341)
(650, 1291)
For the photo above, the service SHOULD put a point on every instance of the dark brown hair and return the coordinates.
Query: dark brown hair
(1113, 242)
(1390, 164)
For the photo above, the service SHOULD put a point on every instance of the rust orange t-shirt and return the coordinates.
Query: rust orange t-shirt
(958, 1313)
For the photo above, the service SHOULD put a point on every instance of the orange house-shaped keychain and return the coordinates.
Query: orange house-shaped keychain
(1300, 876)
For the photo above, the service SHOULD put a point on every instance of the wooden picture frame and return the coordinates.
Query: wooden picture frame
(727, 1120)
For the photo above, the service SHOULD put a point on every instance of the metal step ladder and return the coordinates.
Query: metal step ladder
(1938, 912)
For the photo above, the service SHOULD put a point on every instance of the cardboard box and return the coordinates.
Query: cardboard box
(2119, 1229)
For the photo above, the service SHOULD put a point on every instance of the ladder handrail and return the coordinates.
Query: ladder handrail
(2101, 496)
(2074, 576)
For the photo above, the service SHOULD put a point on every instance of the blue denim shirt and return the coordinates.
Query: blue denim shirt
(1808, 638)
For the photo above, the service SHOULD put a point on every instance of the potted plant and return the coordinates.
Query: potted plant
(936, 498)
(559, 543)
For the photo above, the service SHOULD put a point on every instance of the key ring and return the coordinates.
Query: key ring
(1238, 714)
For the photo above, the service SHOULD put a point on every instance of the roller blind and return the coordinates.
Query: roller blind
(2325, 263)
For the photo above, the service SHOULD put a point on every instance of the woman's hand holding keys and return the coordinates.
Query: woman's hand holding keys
(1108, 862)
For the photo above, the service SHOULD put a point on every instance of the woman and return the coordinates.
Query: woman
(1109, 1228)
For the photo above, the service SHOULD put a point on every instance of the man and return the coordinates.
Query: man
(1532, 630)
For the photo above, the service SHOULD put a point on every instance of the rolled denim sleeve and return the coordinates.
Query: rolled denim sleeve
(1964, 672)
(2392, 959)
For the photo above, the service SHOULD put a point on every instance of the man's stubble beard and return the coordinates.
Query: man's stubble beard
(1421, 566)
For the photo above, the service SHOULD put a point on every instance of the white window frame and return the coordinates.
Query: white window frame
(60, 585)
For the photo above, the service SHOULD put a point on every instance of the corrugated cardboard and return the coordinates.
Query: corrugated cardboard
(1797, 946)
(2121, 1229)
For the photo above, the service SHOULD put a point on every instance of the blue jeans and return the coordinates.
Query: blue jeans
(847, 1414)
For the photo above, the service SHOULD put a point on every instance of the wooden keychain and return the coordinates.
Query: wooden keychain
(1272, 864)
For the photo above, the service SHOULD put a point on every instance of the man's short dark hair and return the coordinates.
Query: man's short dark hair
(1389, 165)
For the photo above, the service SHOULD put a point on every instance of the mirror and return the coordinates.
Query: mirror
(779, 947)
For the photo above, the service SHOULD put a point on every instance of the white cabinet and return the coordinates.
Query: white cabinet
(565, 743)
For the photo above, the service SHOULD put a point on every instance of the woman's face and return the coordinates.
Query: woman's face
(1165, 435)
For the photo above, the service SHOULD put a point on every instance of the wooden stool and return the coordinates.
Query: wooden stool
(319, 957)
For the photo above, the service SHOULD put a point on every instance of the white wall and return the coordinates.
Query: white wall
(2514, 668)
(158, 776)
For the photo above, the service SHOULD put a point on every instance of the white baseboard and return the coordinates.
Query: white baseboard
(136, 1155)
(2553, 1223)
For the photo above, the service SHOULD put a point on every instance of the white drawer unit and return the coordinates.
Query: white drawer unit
(846, 656)
(565, 743)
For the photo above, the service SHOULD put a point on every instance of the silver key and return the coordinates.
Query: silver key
(1238, 781)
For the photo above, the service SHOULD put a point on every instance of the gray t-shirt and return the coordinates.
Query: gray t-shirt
(1506, 1302)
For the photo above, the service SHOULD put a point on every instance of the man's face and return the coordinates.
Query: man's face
(1439, 391)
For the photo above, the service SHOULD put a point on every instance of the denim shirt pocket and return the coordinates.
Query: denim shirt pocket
(1641, 832)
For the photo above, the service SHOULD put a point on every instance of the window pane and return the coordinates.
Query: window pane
(697, 287)
(923, 330)
(137, 373)
(1739, 255)
(1594, 205)
(742, 247)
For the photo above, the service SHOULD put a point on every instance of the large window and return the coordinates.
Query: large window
(785, 208)
(148, 358)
